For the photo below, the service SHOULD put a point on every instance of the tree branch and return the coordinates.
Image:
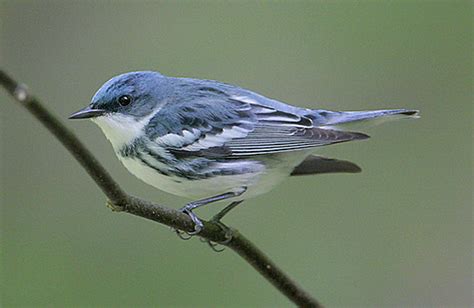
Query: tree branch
(121, 201)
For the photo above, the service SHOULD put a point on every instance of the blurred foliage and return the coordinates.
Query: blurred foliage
(398, 234)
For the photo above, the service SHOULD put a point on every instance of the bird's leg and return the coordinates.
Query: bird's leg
(228, 232)
(217, 218)
(188, 208)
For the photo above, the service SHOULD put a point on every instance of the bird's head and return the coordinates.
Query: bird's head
(123, 104)
(130, 94)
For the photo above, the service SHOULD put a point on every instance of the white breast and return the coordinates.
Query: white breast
(269, 172)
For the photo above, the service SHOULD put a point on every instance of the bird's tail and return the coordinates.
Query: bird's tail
(345, 119)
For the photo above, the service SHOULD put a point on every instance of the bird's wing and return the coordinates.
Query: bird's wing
(229, 126)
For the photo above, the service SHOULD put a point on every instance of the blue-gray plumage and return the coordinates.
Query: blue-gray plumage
(207, 139)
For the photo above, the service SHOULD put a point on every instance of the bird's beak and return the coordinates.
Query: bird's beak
(86, 113)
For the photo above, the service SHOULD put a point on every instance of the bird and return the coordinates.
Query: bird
(211, 141)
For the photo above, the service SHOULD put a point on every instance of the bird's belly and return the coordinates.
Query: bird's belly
(168, 183)
(258, 182)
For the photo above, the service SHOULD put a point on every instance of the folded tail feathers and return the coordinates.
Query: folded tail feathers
(343, 119)
(319, 165)
(326, 119)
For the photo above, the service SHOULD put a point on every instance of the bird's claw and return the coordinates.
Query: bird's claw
(228, 236)
(182, 235)
(228, 232)
(198, 225)
(214, 246)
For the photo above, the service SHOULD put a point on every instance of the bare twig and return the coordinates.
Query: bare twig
(121, 201)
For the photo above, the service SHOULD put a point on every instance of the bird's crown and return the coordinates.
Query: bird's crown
(135, 93)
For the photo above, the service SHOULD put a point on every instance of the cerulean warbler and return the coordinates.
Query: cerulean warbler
(206, 139)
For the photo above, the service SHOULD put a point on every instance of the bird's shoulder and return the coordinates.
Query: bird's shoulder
(198, 107)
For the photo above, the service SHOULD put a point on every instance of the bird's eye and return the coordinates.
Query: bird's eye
(124, 100)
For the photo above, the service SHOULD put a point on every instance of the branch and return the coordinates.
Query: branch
(121, 201)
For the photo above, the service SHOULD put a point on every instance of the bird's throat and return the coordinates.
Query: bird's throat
(121, 129)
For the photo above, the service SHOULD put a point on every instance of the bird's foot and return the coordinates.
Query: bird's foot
(228, 235)
(214, 246)
(181, 234)
(198, 225)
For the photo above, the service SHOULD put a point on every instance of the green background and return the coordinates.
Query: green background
(398, 234)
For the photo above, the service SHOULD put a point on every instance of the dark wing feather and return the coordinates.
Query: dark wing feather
(278, 140)
(318, 165)
(218, 125)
